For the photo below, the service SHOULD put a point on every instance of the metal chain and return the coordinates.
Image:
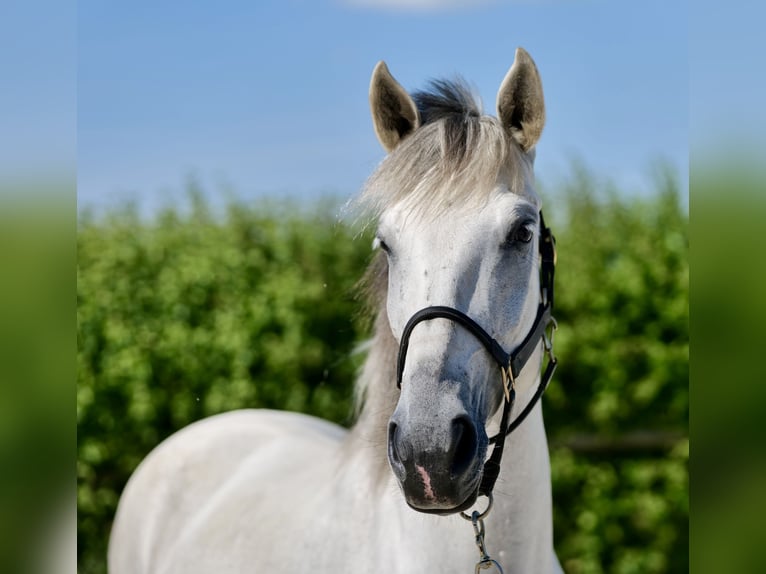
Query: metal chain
(477, 521)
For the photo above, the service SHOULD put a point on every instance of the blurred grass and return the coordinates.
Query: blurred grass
(37, 369)
(728, 373)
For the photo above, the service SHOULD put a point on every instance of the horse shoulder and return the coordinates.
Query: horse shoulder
(197, 471)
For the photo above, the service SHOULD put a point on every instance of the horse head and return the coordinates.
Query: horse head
(459, 223)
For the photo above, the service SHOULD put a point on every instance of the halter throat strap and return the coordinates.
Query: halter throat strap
(511, 364)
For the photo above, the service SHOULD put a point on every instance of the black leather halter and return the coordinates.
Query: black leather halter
(510, 364)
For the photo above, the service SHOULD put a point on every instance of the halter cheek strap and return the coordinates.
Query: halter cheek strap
(510, 364)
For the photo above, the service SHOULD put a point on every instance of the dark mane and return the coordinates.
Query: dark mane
(451, 100)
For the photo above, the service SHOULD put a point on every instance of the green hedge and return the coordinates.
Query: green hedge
(617, 409)
(193, 313)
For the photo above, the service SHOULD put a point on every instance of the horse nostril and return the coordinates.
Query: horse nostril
(394, 451)
(464, 444)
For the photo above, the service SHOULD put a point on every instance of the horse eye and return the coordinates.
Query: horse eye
(379, 243)
(522, 234)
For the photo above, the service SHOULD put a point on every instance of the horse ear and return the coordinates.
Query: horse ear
(520, 104)
(394, 114)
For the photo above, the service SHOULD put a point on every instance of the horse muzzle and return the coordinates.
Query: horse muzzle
(438, 467)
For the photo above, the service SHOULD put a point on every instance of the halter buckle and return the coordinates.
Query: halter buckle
(509, 384)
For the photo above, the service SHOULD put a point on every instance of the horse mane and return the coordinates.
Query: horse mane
(456, 155)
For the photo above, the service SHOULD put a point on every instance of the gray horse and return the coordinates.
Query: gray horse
(458, 227)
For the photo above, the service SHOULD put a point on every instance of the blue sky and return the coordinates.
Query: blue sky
(270, 98)
(38, 95)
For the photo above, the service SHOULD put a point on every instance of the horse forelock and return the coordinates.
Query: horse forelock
(457, 155)
(446, 99)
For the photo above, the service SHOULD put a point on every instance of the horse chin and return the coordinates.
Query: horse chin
(447, 510)
(443, 506)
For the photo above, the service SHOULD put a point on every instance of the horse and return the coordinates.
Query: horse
(462, 273)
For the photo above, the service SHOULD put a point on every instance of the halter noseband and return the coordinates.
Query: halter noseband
(510, 364)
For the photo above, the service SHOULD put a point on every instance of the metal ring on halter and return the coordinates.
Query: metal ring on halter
(482, 515)
(489, 563)
(548, 341)
(554, 327)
